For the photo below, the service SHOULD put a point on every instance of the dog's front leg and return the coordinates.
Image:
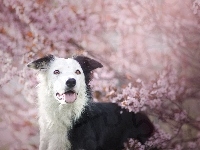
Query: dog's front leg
(53, 136)
(44, 134)
(44, 140)
(58, 141)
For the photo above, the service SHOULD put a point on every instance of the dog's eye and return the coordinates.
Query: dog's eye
(78, 72)
(56, 72)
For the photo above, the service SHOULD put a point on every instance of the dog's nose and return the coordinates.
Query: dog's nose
(71, 82)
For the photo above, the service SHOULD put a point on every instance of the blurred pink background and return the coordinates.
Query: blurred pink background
(150, 51)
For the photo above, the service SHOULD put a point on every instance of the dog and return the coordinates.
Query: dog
(70, 120)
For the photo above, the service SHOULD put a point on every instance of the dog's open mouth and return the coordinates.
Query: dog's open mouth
(68, 97)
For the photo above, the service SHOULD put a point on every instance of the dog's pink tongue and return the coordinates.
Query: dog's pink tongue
(70, 97)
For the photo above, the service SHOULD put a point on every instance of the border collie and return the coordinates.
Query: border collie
(68, 118)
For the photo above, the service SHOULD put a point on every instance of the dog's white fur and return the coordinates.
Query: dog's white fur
(55, 116)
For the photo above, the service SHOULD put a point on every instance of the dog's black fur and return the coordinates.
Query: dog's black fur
(106, 126)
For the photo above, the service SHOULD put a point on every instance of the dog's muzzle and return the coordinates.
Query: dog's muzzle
(70, 95)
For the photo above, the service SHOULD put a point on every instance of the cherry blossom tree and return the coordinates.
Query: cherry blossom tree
(149, 49)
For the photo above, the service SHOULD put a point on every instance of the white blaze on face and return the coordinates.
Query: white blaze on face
(60, 71)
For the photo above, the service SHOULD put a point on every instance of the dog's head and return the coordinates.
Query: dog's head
(66, 78)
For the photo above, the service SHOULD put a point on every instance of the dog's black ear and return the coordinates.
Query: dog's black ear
(88, 64)
(41, 63)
